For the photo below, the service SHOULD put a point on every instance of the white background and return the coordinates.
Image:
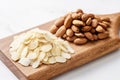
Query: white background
(18, 15)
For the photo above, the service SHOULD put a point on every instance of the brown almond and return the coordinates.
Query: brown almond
(95, 37)
(103, 35)
(107, 23)
(53, 29)
(89, 36)
(80, 41)
(89, 21)
(64, 36)
(76, 15)
(68, 21)
(59, 22)
(79, 35)
(78, 23)
(94, 23)
(91, 15)
(98, 18)
(86, 28)
(71, 39)
(75, 28)
(100, 29)
(60, 32)
(93, 30)
(79, 11)
(103, 25)
(106, 19)
(84, 17)
(69, 32)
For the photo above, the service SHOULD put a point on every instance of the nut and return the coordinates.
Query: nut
(92, 30)
(89, 21)
(84, 17)
(91, 15)
(107, 19)
(99, 29)
(80, 41)
(53, 29)
(64, 36)
(103, 25)
(79, 11)
(89, 36)
(59, 22)
(68, 21)
(94, 23)
(103, 35)
(69, 32)
(75, 28)
(76, 15)
(71, 39)
(60, 32)
(86, 28)
(95, 37)
(107, 23)
(79, 35)
(78, 23)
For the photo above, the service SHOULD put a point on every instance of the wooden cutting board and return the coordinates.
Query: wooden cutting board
(83, 54)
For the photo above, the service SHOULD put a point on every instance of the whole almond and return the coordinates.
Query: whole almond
(86, 28)
(78, 23)
(75, 28)
(80, 41)
(95, 37)
(84, 17)
(60, 32)
(76, 15)
(64, 36)
(53, 29)
(71, 39)
(92, 30)
(69, 32)
(59, 22)
(89, 21)
(79, 11)
(103, 25)
(100, 29)
(107, 23)
(89, 36)
(94, 23)
(103, 35)
(106, 19)
(91, 15)
(68, 21)
(98, 18)
(79, 35)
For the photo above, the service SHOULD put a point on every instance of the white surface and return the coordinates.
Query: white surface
(18, 15)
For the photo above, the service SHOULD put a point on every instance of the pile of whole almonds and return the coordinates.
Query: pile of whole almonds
(79, 27)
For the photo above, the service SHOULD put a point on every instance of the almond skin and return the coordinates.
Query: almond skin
(86, 28)
(103, 35)
(78, 23)
(60, 32)
(80, 41)
(79, 35)
(100, 29)
(68, 21)
(89, 36)
(53, 29)
(59, 22)
(75, 28)
(69, 32)
(71, 39)
(94, 23)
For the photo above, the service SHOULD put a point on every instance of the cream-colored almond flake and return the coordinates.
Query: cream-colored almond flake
(37, 47)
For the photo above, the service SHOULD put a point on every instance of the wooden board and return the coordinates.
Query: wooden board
(84, 54)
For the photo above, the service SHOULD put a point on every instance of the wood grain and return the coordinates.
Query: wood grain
(84, 54)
